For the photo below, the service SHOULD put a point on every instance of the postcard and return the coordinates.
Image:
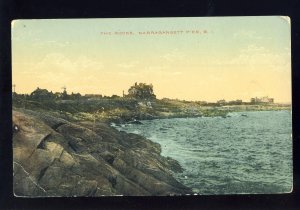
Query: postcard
(151, 106)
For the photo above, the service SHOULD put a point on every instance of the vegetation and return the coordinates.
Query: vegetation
(140, 103)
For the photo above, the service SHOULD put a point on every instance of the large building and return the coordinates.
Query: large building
(221, 101)
(141, 91)
(265, 99)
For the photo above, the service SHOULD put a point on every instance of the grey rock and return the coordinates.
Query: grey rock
(55, 157)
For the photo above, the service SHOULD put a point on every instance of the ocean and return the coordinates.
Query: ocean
(244, 153)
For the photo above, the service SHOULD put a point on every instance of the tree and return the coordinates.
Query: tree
(41, 95)
(75, 96)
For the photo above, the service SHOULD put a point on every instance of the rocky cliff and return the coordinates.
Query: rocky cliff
(55, 157)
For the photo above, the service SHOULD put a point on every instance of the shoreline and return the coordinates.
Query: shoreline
(163, 132)
(214, 112)
(106, 161)
(122, 110)
(191, 117)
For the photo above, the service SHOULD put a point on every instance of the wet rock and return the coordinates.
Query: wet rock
(135, 122)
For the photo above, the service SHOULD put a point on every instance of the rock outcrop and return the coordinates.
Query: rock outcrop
(55, 157)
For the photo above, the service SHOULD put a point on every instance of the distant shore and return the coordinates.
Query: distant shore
(121, 110)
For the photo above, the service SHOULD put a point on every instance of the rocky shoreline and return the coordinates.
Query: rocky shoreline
(61, 153)
(55, 157)
(123, 110)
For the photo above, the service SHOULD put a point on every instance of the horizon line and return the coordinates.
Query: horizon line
(207, 101)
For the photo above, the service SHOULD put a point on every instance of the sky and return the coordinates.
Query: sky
(198, 59)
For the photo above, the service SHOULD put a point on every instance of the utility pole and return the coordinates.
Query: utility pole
(14, 88)
(24, 103)
(64, 88)
(64, 93)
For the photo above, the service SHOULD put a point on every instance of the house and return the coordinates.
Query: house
(221, 101)
(141, 91)
(236, 102)
(264, 99)
(93, 96)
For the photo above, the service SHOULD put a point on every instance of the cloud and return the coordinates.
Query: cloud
(56, 61)
(128, 65)
(253, 49)
(127, 73)
(244, 34)
(174, 55)
(50, 43)
(84, 63)
(253, 54)
(157, 68)
(177, 73)
(56, 65)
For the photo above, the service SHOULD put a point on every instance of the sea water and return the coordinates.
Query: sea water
(246, 152)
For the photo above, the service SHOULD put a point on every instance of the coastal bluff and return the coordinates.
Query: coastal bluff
(56, 157)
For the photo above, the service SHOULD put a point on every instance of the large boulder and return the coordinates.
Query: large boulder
(54, 157)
